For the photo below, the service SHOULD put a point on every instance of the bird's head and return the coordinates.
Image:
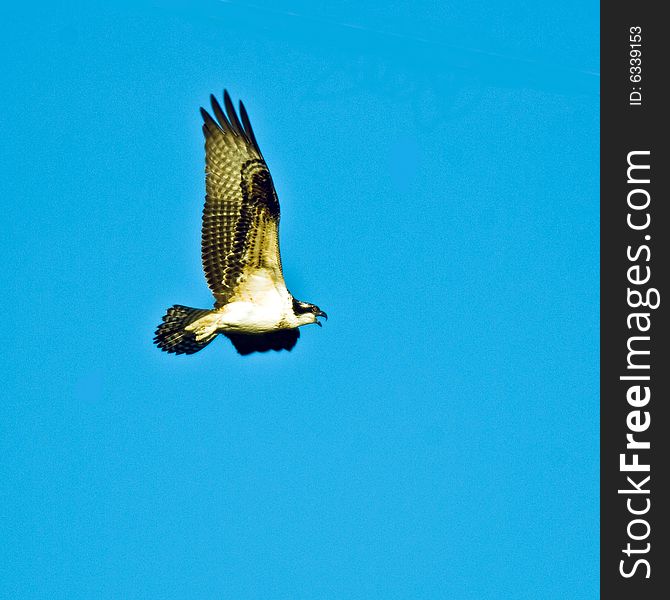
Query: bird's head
(307, 313)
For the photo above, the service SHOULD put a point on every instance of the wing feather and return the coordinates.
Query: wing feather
(232, 115)
(248, 131)
(218, 111)
(241, 216)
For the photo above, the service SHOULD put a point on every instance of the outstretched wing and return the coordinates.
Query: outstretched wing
(240, 222)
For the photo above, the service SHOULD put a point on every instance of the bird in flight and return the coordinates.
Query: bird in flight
(240, 250)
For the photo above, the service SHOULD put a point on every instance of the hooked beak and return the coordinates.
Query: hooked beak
(321, 314)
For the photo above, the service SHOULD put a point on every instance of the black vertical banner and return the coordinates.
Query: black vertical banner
(635, 246)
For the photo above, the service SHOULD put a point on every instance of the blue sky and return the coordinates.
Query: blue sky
(437, 165)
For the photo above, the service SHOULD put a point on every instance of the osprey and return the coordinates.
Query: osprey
(240, 250)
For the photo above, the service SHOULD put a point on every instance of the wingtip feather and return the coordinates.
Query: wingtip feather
(232, 115)
(248, 131)
(228, 120)
(209, 126)
(219, 114)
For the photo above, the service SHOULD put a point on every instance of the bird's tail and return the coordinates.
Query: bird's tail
(171, 335)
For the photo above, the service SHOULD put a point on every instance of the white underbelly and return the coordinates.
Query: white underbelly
(261, 304)
(248, 317)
